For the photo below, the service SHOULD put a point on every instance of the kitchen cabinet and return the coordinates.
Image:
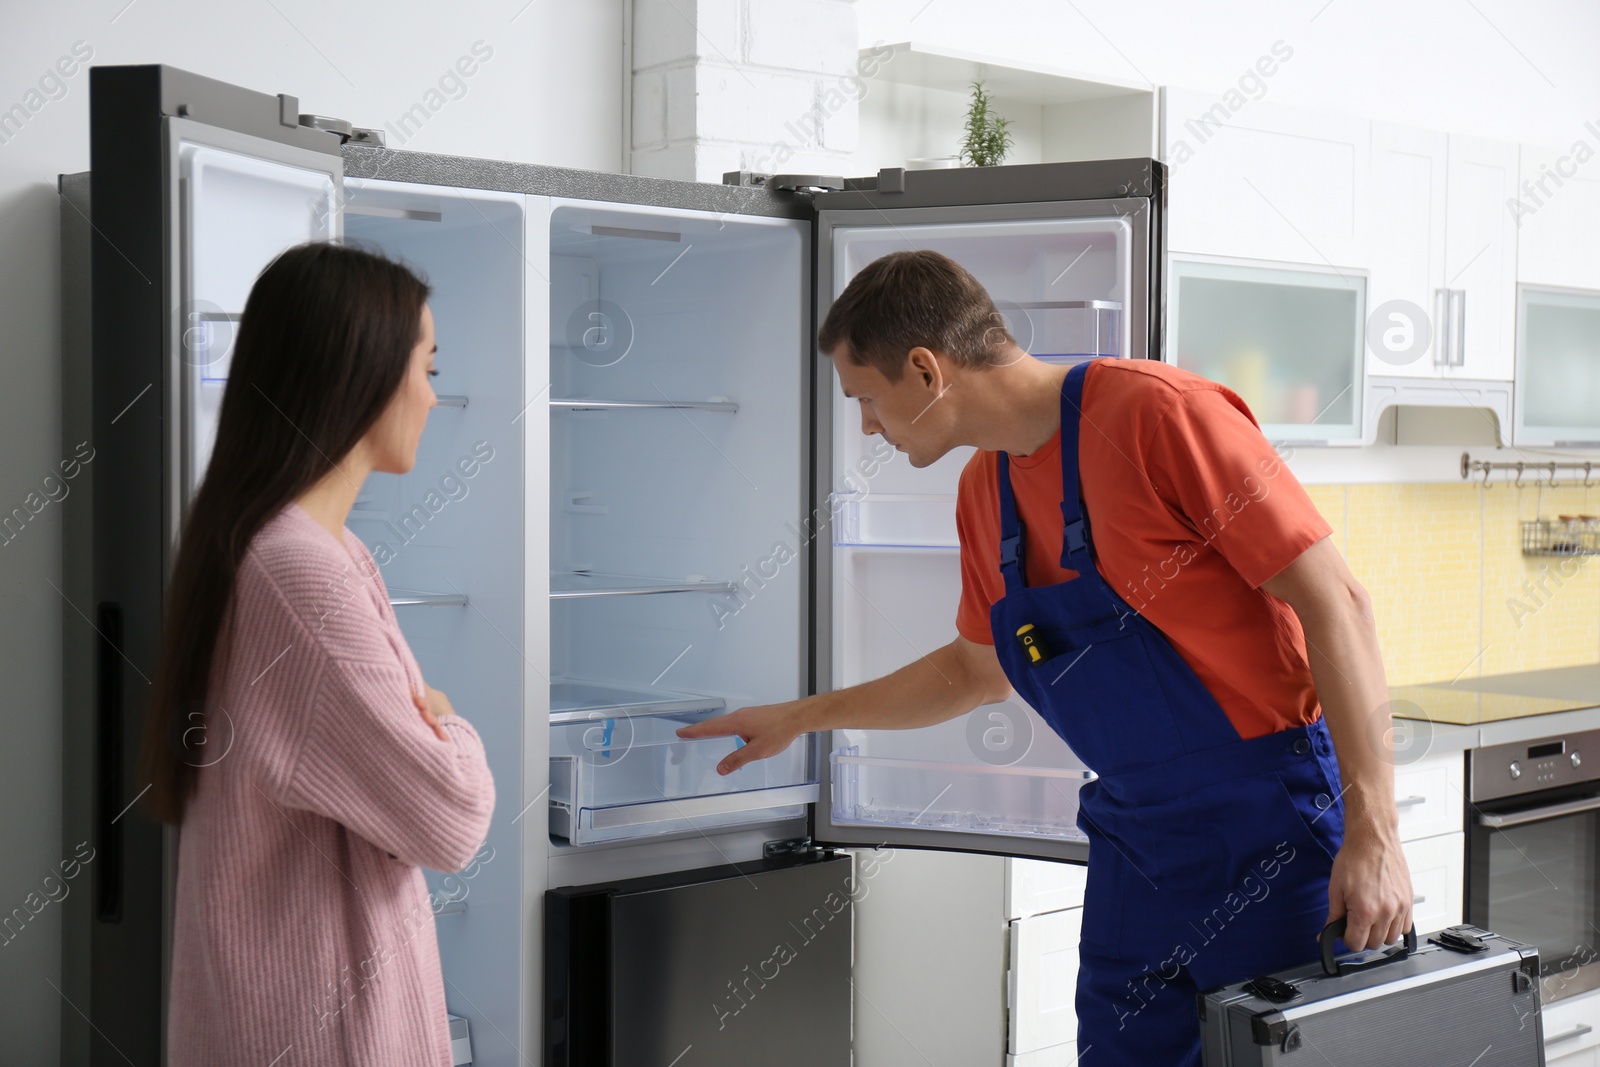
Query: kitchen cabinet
(1443, 255)
(1557, 217)
(1480, 256)
(1572, 1030)
(1042, 983)
(1407, 265)
(1557, 392)
(1256, 180)
(1287, 340)
(1428, 795)
(1437, 880)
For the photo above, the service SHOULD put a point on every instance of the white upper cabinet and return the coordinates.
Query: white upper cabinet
(1556, 213)
(1406, 272)
(1254, 180)
(1443, 256)
(1480, 257)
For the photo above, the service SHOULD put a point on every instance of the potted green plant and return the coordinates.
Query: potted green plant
(986, 137)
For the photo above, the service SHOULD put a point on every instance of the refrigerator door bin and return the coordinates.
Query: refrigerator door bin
(1066, 331)
(621, 776)
(1015, 801)
(899, 520)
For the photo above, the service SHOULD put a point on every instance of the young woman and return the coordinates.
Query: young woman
(290, 735)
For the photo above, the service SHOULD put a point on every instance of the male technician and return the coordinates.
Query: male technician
(1137, 565)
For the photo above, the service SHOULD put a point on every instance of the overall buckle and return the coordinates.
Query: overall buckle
(1077, 535)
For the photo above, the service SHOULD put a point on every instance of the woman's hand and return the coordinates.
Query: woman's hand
(434, 707)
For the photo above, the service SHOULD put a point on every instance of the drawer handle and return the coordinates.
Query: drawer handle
(1576, 1031)
(1410, 802)
(1418, 899)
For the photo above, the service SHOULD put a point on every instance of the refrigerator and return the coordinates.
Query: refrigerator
(671, 512)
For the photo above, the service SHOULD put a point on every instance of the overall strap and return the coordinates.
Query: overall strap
(1076, 545)
(1011, 531)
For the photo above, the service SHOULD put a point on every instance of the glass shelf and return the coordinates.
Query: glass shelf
(409, 598)
(632, 776)
(727, 406)
(568, 585)
(577, 700)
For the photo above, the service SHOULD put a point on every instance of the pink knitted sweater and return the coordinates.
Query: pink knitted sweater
(303, 932)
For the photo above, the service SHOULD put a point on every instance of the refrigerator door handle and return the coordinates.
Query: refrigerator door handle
(107, 759)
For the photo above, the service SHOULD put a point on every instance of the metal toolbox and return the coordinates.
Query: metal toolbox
(1460, 996)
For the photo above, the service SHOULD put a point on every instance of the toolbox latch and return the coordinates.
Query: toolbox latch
(1457, 940)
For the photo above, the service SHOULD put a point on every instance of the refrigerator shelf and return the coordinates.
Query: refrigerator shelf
(570, 585)
(727, 406)
(633, 776)
(410, 598)
(577, 700)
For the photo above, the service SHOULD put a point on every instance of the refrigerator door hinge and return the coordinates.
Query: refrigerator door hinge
(794, 846)
(785, 183)
(342, 128)
(891, 179)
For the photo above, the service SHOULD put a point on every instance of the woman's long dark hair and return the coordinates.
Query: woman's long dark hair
(322, 348)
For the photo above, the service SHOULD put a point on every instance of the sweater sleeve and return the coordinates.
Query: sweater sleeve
(363, 755)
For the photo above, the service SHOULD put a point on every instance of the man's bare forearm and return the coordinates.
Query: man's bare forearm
(947, 682)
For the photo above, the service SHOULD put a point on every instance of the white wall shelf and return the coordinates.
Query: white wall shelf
(919, 92)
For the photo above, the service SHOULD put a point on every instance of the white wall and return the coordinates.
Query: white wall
(550, 93)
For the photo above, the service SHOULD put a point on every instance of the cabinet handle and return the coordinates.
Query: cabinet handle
(1410, 802)
(1420, 898)
(1576, 1031)
(1441, 327)
(1458, 326)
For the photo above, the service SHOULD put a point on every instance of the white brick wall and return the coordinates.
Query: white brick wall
(722, 85)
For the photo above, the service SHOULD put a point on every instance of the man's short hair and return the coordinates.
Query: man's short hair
(912, 299)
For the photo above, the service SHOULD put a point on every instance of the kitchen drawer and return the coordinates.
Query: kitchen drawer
(1430, 795)
(1042, 983)
(1034, 887)
(1588, 1057)
(1574, 1023)
(1437, 876)
(1063, 1055)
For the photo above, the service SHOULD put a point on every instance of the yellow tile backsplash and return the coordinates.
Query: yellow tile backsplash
(1452, 593)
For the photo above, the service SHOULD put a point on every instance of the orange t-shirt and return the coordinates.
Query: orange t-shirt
(1190, 508)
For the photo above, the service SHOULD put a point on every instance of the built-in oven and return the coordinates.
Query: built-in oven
(1533, 853)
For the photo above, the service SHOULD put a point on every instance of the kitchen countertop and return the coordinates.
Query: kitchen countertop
(1497, 708)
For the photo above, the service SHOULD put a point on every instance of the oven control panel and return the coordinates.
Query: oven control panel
(1530, 766)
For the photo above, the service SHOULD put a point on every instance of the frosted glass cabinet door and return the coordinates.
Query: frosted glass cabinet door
(1557, 399)
(241, 201)
(1289, 342)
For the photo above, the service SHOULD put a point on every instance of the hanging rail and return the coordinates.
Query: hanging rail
(1486, 466)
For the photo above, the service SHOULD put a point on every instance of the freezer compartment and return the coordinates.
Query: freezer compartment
(620, 772)
(631, 967)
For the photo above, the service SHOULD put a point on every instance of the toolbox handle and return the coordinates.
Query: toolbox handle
(1333, 967)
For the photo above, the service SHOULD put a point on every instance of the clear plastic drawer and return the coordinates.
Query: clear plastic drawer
(620, 771)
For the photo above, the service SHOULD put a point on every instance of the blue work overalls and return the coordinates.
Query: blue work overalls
(1209, 855)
